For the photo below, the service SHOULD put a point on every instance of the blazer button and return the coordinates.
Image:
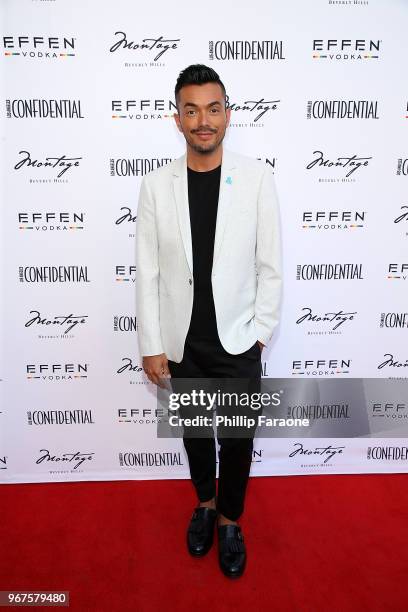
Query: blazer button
(190, 281)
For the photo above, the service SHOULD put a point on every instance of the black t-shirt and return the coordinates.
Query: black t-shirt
(203, 191)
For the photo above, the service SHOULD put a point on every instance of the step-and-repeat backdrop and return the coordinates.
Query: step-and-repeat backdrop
(317, 91)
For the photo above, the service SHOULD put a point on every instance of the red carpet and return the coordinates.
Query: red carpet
(315, 543)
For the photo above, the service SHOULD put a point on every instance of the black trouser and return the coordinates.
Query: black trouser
(208, 358)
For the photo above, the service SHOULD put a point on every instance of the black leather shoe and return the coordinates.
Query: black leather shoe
(231, 550)
(200, 532)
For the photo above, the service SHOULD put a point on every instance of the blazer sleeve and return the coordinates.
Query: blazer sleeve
(268, 259)
(147, 275)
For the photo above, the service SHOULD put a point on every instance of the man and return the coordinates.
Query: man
(208, 282)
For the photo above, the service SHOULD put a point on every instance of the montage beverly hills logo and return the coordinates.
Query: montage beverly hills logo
(145, 51)
(131, 371)
(251, 112)
(55, 326)
(346, 168)
(316, 322)
(315, 456)
(64, 462)
(126, 219)
(391, 364)
(402, 219)
(54, 168)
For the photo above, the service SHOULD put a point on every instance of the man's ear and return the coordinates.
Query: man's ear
(228, 115)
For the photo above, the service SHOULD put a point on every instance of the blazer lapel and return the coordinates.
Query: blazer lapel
(180, 187)
(224, 200)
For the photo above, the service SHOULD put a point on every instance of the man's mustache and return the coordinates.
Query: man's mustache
(203, 130)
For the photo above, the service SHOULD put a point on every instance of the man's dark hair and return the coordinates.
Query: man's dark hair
(197, 74)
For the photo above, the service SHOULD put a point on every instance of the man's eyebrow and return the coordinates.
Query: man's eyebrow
(196, 105)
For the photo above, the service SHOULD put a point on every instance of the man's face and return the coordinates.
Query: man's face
(202, 118)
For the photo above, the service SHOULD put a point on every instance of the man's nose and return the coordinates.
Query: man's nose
(204, 117)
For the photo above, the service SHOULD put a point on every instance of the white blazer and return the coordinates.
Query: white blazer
(246, 274)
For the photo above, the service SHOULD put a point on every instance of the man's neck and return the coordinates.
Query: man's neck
(201, 162)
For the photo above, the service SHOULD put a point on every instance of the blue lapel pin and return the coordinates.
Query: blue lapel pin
(229, 180)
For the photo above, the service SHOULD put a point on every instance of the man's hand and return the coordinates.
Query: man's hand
(156, 367)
